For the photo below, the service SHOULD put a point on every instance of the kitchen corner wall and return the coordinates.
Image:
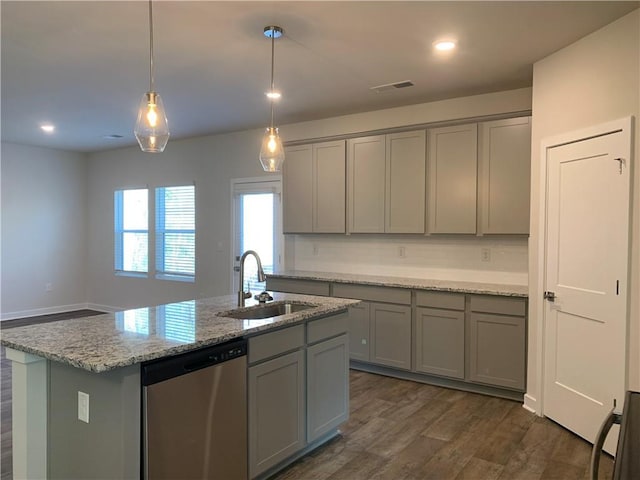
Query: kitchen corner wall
(464, 258)
(593, 81)
(44, 225)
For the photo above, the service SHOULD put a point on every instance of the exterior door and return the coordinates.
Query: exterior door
(257, 225)
(586, 269)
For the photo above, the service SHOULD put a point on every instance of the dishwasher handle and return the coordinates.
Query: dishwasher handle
(162, 369)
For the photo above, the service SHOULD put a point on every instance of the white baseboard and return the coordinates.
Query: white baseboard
(58, 309)
(531, 404)
(104, 308)
(42, 311)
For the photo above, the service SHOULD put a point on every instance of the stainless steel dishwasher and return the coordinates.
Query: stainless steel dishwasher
(195, 414)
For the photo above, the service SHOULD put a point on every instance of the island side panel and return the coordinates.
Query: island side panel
(109, 445)
(29, 382)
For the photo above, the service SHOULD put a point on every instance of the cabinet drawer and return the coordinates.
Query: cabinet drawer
(376, 294)
(275, 343)
(500, 305)
(450, 301)
(327, 327)
(291, 285)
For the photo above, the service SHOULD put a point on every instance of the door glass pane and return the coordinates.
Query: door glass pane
(257, 233)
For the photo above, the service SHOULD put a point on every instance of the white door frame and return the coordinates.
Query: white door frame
(623, 125)
(239, 184)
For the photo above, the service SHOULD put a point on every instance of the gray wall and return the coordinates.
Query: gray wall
(593, 81)
(44, 229)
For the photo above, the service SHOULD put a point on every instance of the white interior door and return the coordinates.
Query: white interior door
(257, 225)
(586, 269)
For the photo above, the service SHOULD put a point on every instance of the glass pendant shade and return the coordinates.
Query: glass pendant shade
(152, 128)
(271, 152)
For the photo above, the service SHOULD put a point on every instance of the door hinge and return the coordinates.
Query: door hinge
(551, 296)
(617, 287)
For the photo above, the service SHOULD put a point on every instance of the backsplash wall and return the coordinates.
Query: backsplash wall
(462, 258)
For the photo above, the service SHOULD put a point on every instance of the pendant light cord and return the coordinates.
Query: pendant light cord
(273, 38)
(151, 79)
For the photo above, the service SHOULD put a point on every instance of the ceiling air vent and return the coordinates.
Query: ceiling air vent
(392, 86)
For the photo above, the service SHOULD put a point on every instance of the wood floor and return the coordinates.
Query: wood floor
(402, 430)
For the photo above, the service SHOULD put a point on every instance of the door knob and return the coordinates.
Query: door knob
(551, 296)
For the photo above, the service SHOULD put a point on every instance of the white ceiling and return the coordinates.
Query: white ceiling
(83, 65)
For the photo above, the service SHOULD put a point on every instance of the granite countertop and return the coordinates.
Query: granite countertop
(105, 342)
(412, 283)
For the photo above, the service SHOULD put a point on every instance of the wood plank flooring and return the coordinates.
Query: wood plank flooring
(402, 430)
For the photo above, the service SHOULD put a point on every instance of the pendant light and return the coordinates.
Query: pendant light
(271, 152)
(152, 129)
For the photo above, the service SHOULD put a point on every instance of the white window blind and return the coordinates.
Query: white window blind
(131, 246)
(175, 232)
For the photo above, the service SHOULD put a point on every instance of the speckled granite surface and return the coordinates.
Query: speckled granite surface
(104, 342)
(413, 283)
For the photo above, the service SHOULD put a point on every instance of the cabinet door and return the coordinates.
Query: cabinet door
(405, 182)
(452, 174)
(359, 332)
(391, 335)
(504, 176)
(329, 169)
(297, 192)
(440, 342)
(497, 350)
(327, 386)
(276, 411)
(366, 184)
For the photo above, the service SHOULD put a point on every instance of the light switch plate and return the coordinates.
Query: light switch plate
(83, 407)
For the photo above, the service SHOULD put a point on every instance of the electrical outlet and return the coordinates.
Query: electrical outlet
(48, 287)
(402, 252)
(485, 254)
(83, 406)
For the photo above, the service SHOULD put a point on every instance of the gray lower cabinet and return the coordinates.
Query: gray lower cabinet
(440, 342)
(276, 390)
(390, 335)
(359, 332)
(439, 333)
(327, 386)
(497, 341)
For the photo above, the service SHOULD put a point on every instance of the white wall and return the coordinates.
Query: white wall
(212, 162)
(593, 81)
(43, 230)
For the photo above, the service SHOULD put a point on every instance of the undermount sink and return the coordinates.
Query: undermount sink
(266, 311)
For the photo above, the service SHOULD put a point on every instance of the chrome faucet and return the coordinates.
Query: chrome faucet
(242, 295)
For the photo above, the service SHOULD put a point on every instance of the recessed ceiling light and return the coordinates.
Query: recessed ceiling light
(273, 95)
(444, 45)
(47, 128)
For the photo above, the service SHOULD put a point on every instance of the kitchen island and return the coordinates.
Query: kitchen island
(102, 356)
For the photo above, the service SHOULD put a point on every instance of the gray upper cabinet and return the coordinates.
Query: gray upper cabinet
(366, 184)
(405, 182)
(297, 175)
(452, 174)
(504, 176)
(329, 200)
(314, 188)
(386, 183)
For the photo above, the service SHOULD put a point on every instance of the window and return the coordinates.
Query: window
(131, 231)
(175, 233)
